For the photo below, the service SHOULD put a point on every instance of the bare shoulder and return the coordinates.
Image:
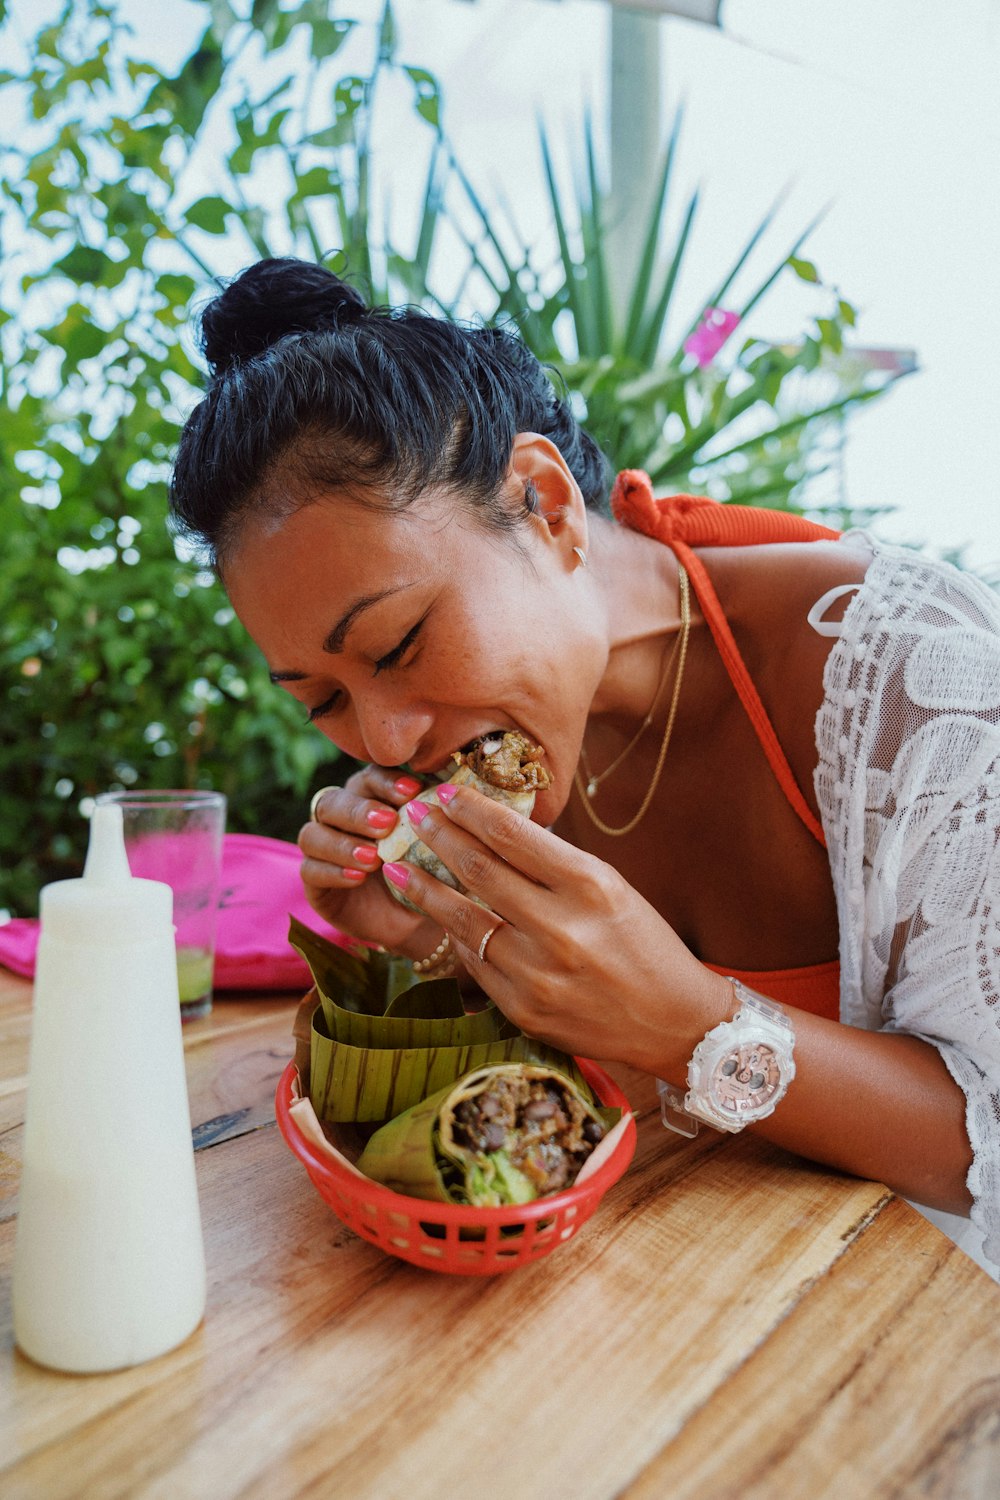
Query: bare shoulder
(767, 593)
(765, 587)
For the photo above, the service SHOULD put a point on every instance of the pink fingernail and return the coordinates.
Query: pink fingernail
(352, 874)
(407, 786)
(380, 817)
(417, 811)
(365, 854)
(446, 792)
(397, 875)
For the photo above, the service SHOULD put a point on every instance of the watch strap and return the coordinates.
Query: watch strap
(682, 1111)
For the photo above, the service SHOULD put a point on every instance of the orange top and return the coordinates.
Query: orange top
(686, 521)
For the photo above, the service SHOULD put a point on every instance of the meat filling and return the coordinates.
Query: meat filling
(509, 761)
(545, 1131)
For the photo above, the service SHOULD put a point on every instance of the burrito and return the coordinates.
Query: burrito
(505, 766)
(506, 1134)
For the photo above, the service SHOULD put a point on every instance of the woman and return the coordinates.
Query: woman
(774, 754)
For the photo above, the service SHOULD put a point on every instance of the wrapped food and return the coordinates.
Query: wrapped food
(506, 1134)
(376, 1040)
(504, 766)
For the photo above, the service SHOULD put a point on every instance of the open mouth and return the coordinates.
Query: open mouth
(506, 759)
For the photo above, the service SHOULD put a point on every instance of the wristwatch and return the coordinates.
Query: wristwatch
(738, 1072)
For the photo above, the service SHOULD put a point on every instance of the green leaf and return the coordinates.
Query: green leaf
(175, 288)
(85, 264)
(313, 184)
(328, 36)
(387, 34)
(805, 270)
(830, 335)
(86, 341)
(427, 93)
(197, 84)
(262, 13)
(649, 344)
(651, 246)
(209, 214)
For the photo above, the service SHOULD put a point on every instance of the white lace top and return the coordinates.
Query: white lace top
(908, 783)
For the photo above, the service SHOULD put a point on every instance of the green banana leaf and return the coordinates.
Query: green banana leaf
(376, 1049)
(411, 1153)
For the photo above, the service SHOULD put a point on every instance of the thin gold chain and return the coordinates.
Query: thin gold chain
(593, 782)
(685, 601)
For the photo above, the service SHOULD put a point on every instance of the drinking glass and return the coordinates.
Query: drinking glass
(176, 837)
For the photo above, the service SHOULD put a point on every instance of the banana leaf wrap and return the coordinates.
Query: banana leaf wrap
(422, 1152)
(376, 1048)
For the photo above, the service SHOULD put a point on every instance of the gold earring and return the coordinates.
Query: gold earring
(581, 555)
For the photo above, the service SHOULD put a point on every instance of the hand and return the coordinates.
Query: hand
(341, 869)
(577, 958)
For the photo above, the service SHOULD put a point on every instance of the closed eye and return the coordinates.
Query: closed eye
(394, 657)
(323, 708)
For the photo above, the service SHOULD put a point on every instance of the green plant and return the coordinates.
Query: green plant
(752, 427)
(121, 661)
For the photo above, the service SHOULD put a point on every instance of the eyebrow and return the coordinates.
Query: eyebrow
(334, 640)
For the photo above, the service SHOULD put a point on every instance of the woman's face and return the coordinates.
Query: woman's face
(407, 634)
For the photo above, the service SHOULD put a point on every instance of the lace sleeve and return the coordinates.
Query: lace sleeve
(908, 781)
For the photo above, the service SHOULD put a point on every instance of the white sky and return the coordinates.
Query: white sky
(890, 110)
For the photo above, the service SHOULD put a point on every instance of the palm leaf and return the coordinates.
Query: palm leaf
(653, 334)
(377, 1048)
(715, 300)
(577, 304)
(597, 289)
(651, 244)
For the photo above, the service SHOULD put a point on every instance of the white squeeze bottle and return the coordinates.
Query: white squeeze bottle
(109, 1267)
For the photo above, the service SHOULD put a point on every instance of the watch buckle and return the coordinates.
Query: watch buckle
(672, 1112)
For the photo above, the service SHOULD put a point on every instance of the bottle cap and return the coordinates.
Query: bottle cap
(106, 905)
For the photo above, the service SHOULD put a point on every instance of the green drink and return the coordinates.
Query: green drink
(194, 980)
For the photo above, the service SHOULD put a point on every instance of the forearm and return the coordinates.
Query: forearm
(879, 1105)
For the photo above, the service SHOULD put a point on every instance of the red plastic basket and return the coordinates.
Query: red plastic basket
(430, 1234)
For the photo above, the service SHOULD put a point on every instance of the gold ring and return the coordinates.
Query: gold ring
(315, 802)
(481, 955)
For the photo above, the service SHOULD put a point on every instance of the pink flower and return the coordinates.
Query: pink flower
(712, 332)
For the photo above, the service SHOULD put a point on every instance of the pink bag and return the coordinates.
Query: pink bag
(261, 888)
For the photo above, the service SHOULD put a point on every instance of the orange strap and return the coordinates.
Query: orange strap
(683, 521)
(815, 987)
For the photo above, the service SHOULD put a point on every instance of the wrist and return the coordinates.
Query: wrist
(738, 1072)
(708, 1001)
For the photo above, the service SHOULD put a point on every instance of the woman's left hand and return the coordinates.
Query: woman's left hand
(577, 957)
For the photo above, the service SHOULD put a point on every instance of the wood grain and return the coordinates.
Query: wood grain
(732, 1321)
(916, 1385)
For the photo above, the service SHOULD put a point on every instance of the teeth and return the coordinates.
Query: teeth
(490, 742)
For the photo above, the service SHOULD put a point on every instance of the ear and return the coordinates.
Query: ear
(559, 514)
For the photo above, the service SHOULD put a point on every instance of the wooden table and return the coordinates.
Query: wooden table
(827, 1341)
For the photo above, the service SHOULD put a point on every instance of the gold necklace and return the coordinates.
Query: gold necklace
(586, 789)
(593, 782)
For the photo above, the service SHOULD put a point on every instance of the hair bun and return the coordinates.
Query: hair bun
(269, 300)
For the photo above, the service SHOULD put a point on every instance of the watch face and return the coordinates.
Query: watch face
(745, 1078)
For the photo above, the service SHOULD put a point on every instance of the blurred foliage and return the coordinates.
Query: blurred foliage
(121, 661)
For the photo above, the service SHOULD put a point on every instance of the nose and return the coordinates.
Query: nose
(390, 734)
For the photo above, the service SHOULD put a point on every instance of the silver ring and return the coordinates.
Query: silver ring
(481, 954)
(315, 802)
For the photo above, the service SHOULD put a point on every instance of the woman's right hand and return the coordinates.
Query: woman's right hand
(341, 870)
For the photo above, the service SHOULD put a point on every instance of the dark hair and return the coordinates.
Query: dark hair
(312, 390)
